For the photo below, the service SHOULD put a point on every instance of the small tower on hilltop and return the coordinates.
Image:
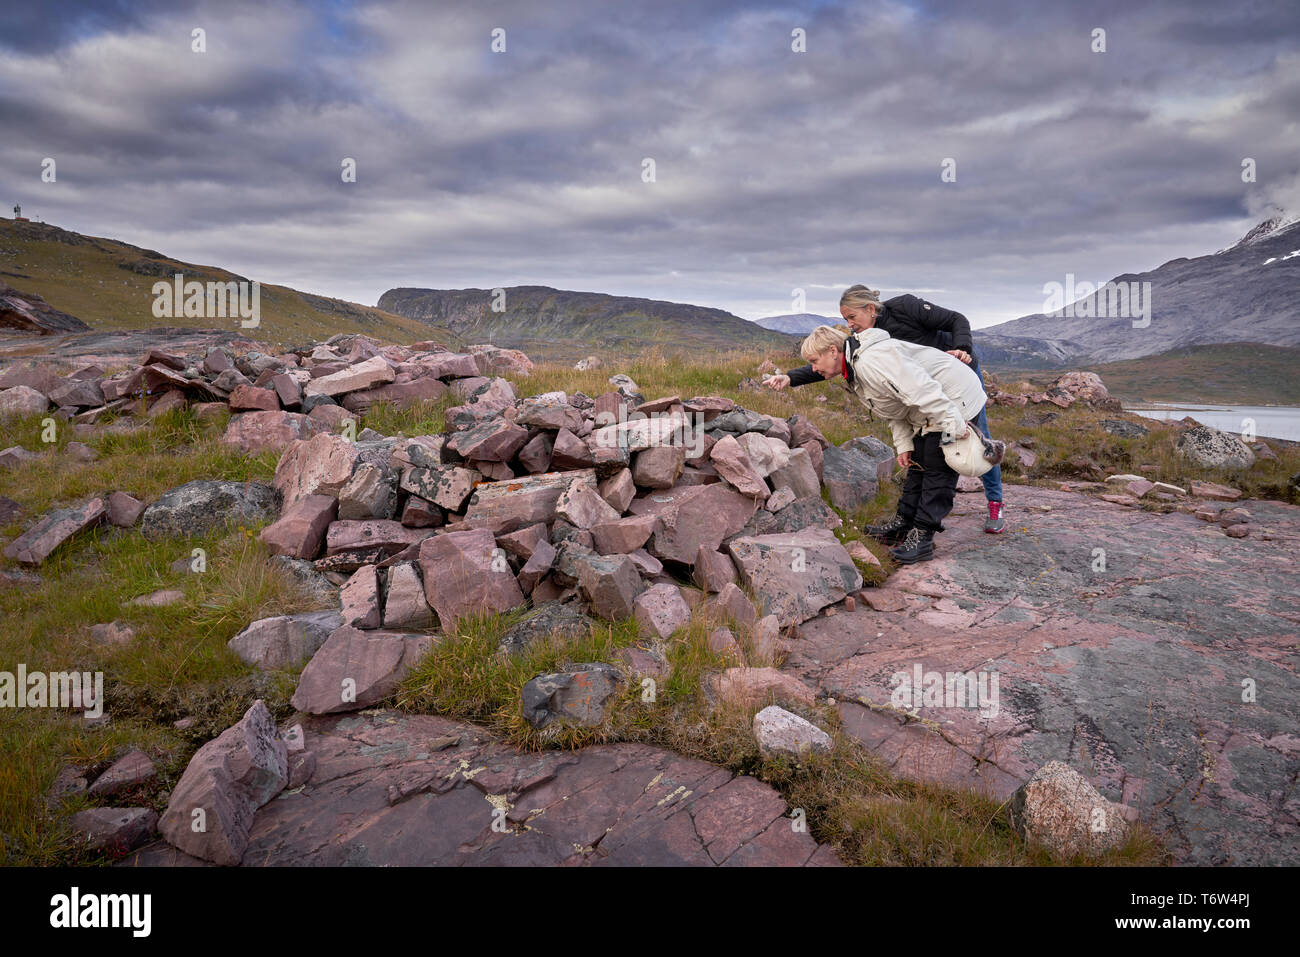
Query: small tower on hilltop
(18, 215)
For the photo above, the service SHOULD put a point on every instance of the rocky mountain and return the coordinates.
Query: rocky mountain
(106, 284)
(798, 323)
(1245, 293)
(558, 323)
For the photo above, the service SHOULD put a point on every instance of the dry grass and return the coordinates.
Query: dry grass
(171, 450)
(177, 665)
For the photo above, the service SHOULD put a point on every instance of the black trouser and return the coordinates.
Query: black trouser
(931, 485)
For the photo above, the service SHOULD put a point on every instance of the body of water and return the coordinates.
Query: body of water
(1271, 421)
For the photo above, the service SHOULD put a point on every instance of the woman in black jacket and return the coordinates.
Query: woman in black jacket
(913, 320)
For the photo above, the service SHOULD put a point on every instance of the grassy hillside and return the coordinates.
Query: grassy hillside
(108, 284)
(564, 325)
(1239, 373)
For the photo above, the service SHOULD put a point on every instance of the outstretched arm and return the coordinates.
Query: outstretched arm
(800, 376)
(803, 376)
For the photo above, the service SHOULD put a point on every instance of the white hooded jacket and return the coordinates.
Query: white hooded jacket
(916, 388)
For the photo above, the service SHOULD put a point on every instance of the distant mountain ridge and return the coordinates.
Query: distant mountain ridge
(1244, 293)
(798, 323)
(542, 319)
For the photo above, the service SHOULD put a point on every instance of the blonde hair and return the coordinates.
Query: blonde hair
(859, 296)
(822, 339)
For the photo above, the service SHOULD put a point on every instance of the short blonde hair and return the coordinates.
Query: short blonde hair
(822, 339)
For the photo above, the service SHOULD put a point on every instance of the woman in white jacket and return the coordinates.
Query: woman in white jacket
(929, 399)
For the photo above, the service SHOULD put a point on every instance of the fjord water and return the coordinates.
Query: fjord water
(1271, 421)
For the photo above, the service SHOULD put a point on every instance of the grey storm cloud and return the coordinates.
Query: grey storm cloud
(775, 170)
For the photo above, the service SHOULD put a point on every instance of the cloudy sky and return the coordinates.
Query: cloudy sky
(774, 170)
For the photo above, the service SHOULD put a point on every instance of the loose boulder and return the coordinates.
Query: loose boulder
(115, 829)
(129, 771)
(577, 696)
(611, 583)
(733, 464)
(300, 531)
(780, 732)
(1210, 448)
(850, 475)
(797, 573)
(200, 505)
(226, 781)
(465, 573)
(285, 641)
(660, 610)
(321, 465)
(355, 669)
(53, 529)
(22, 400)
(691, 516)
(363, 375)
(405, 606)
(1060, 810)
(551, 619)
(510, 505)
(257, 432)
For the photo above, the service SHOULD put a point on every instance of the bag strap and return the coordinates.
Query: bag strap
(851, 345)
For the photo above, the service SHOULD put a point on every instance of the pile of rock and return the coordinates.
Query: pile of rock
(582, 507)
(555, 498)
(1235, 521)
(274, 399)
(1129, 489)
(550, 494)
(55, 527)
(1069, 388)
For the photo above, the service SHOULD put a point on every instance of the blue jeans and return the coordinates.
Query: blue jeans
(992, 479)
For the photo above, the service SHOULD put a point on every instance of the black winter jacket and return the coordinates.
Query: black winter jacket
(911, 319)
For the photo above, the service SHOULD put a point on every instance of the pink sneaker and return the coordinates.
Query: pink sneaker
(995, 523)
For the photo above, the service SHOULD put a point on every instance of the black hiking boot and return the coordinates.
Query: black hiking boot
(890, 533)
(917, 546)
